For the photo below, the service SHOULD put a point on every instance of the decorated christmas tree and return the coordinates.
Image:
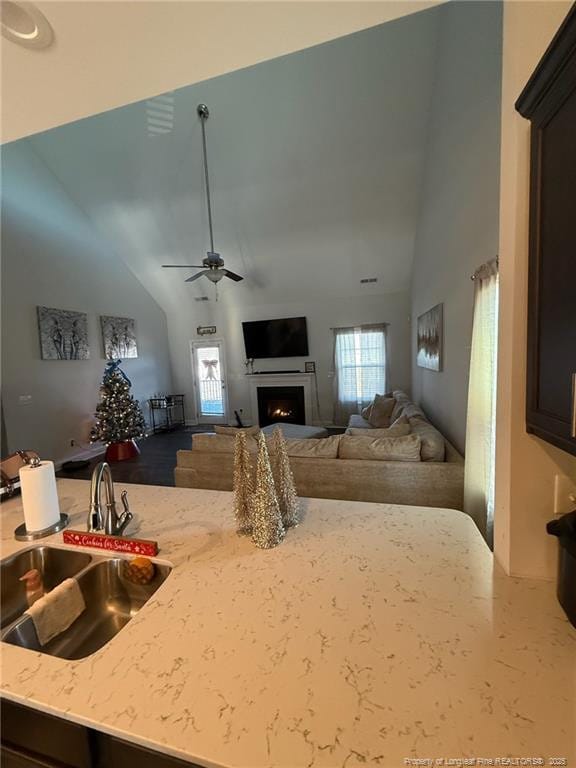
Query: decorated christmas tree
(243, 486)
(118, 415)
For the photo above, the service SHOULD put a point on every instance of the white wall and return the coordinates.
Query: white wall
(321, 316)
(458, 223)
(525, 465)
(52, 256)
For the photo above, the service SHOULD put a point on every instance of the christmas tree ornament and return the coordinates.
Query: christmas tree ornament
(285, 486)
(267, 528)
(118, 418)
(243, 486)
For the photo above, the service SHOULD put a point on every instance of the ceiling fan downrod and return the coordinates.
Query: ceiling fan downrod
(204, 114)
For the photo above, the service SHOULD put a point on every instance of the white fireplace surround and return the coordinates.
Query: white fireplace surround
(281, 380)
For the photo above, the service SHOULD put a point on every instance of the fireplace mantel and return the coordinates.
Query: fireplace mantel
(280, 380)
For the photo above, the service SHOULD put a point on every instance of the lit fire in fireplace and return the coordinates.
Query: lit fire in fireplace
(279, 412)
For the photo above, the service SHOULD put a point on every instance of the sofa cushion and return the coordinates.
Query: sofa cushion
(357, 421)
(380, 449)
(296, 431)
(380, 411)
(402, 400)
(411, 411)
(395, 430)
(322, 448)
(223, 430)
(433, 443)
(211, 443)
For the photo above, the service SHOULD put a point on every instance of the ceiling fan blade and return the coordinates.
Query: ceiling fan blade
(232, 275)
(182, 266)
(196, 276)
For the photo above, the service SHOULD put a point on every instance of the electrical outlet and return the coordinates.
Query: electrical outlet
(564, 495)
(72, 442)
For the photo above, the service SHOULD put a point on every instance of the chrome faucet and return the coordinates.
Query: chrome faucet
(113, 524)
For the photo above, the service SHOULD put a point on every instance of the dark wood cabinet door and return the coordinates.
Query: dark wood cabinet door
(12, 758)
(116, 753)
(33, 739)
(31, 735)
(549, 102)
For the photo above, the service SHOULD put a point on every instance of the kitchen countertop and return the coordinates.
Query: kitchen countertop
(373, 634)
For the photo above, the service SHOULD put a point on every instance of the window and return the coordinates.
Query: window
(360, 368)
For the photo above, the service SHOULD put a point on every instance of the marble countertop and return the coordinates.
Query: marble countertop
(374, 634)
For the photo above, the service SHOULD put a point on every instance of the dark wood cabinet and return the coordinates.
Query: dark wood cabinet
(549, 102)
(33, 739)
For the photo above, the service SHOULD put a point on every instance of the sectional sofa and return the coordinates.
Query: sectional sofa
(320, 471)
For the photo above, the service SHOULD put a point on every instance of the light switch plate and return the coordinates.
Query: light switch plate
(564, 495)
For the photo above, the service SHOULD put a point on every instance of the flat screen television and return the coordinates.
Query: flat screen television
(287, 337)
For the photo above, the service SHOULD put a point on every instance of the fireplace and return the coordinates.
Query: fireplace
(281, 404)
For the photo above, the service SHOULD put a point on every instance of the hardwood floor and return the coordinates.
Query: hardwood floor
(155, 464)
(157, 459)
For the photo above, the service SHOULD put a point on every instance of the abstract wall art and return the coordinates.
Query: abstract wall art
(430, 338)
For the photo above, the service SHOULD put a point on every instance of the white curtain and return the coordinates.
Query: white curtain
(359, 368)
(481, 419)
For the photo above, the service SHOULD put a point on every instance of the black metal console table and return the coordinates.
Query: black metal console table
(172, 406)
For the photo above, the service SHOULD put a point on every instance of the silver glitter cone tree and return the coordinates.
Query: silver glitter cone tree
(267, 527)
(243, 486)
(285, 486)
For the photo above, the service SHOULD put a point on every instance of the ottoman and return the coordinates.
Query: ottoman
(297, 431)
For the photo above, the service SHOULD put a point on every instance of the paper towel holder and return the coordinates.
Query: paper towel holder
(22, 534)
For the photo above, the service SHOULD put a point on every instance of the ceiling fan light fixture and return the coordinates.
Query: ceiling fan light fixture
(215, 275)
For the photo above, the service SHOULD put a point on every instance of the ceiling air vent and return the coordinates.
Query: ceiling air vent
(369, 280)
(201, 298)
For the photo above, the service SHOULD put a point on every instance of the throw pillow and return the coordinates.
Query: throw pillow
(381, 412)
(395, 430)
(365, 412)
(380, 449)
(234, 430)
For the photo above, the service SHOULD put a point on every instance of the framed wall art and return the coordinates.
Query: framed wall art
(118, 337)
(63, 334)
(430, 338)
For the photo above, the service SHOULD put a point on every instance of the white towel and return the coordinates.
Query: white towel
(57, 610)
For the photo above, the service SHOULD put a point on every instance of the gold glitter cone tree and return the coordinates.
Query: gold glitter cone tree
(267, 528)
(243, 486)
(285, 486)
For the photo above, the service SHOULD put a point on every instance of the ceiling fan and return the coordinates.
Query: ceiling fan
(213, 265)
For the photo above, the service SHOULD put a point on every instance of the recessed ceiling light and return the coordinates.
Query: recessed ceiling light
(24, 24)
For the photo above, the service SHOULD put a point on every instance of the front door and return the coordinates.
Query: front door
(210, 382)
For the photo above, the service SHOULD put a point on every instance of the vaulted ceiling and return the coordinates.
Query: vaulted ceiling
(107, 54)
(316, 161)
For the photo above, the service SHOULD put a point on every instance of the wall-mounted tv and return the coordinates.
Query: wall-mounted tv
(287, 337)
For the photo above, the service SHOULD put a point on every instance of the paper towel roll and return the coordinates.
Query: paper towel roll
(39, 496)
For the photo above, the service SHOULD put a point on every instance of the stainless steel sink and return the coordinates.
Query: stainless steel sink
(111, 601)
(54, 564)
